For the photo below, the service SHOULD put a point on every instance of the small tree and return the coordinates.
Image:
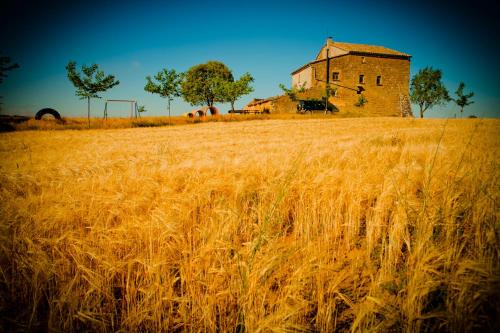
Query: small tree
(201, 84)
(232, 90)
(463, 100)
(292, 92)
(361, 101)
(167, 85)
(141, 109)
(90, 82)
(5, 66)
(427, 90)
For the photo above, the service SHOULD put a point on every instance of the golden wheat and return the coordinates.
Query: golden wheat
(277, 225)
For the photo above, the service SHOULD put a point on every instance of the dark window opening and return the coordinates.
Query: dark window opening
(335, 76)
(379, 80)
(361, 78)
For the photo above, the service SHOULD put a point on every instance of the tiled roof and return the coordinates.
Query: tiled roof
(376, 49)
(351, 48)
(257, 101)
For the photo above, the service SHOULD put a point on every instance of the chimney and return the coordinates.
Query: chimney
(329, 41)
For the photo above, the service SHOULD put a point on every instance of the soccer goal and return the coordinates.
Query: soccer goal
(133, 107)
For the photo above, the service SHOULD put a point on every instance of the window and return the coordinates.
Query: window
(379, 80)
(361, 78)
(335, 76)
(334, 92)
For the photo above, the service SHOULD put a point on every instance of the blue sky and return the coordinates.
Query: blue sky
(133, 39)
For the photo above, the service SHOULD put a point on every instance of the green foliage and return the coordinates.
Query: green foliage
(166, 83)
(361, 101)
(92, 82)
(292, 92)
(5, 66)
(427, 90)
(89, 82)
(230, 91)
(141, 109)
(201, 84)
(463, 99)
(329, 91)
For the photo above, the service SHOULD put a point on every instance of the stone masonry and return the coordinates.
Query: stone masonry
(384, 83)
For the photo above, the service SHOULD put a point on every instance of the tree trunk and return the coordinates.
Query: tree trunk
(169, 118)
(462, 112)
(232, 106)
(88, 110)
(421, 112)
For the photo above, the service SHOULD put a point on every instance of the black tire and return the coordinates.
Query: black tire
(45, 111)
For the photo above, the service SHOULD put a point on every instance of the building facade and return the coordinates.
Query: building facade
(362, 78)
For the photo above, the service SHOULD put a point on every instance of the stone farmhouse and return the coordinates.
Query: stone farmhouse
(376, 74)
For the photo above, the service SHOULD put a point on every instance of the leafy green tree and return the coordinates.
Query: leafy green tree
(292, 92)
(427, 90)
(89, 82)
(230, 91)
(201, 84)
(463, 99)
(5, 66)
(141, 109)
(361, 101)
(166, 83)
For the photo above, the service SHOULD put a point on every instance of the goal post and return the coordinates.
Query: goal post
(133, 107)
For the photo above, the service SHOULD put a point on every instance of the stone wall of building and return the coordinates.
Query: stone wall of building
(383, 99)
(304, 77)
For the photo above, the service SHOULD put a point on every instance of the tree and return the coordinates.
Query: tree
(427, 90)
(201, 84)
(230, 91)
(292, 92)
(141, 109)
(5, 66)
(90, 82)
(463, 100)
(167, 85)
(361, 101)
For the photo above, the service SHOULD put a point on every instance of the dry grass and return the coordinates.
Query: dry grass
(73, 123)
(278, 225)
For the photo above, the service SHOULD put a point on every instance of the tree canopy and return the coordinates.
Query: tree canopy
(5, 66)
(230, 91)
(166, 83)
(201, 83)
(427, 90)
(463, 99)
(293, 91)
(89, 82)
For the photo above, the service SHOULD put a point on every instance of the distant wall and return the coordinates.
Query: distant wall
(304, 76)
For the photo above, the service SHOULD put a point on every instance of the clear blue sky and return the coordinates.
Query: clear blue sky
(133, 39)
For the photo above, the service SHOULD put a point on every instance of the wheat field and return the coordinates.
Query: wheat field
(379, 225)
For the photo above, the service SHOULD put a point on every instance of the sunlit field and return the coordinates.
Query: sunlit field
(75, 123)
(315, 225)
